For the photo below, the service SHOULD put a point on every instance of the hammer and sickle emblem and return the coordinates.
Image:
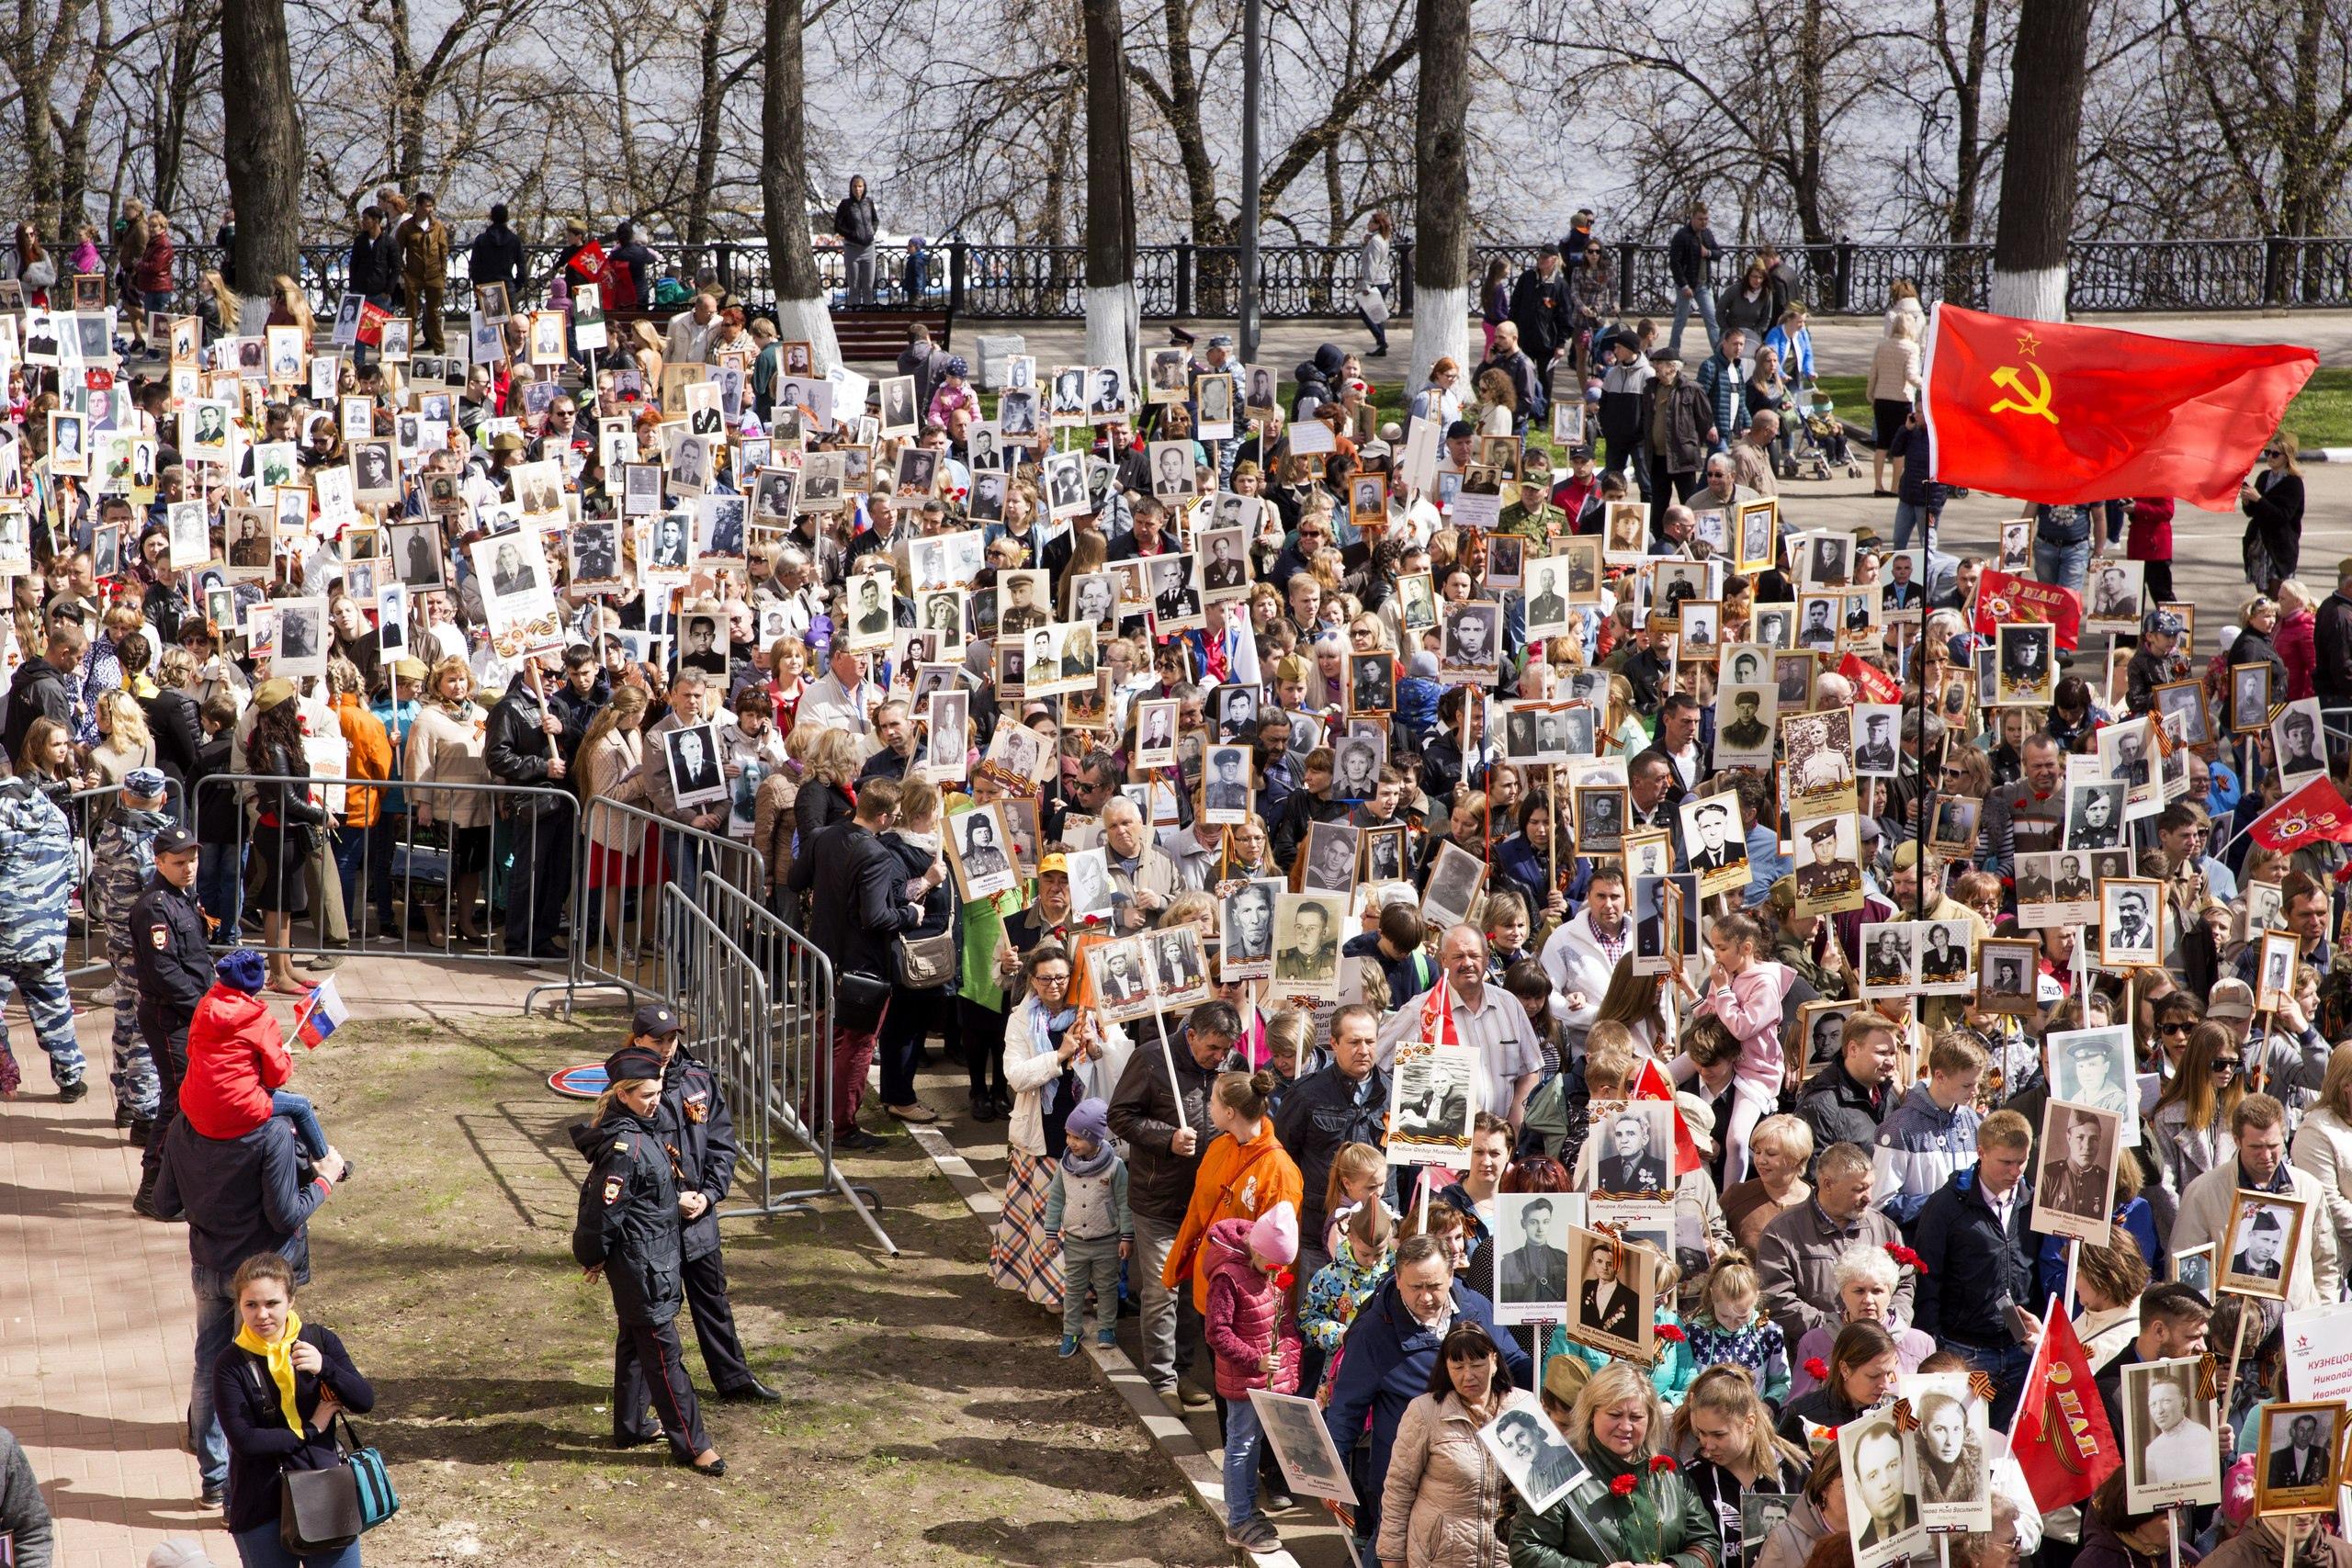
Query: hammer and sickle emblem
(2036, 401)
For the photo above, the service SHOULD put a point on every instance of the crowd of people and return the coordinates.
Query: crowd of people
(1485, 922)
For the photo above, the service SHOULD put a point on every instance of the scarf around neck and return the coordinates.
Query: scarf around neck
(281, 1357)
(1043, 1027)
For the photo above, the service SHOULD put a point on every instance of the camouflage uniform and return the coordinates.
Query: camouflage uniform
(125, 857)
(36, 873)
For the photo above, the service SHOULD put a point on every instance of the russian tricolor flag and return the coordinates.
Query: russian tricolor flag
(320, 1014)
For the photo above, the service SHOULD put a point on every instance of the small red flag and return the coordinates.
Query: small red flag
(1653, 1084)
(2314, 812)
(1871, 684)
(2063, 414)
(2060, 1437)
(2003, 597)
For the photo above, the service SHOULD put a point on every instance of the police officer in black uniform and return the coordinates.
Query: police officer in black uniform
(175, 963)
(627, 1230)
(699, 1136)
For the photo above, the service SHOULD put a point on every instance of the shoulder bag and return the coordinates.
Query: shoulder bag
(925, 963)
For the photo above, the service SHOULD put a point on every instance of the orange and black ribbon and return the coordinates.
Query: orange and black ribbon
(1906, 1420)
(2208, 1377)
(1981, 1385)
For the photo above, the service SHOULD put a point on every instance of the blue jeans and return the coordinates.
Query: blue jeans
(1908, 516)
(220, 886)
(2005, 1365)
(157, 300)
(1682, 304)
(349, 846)
(260, 1548)
(216, 1326)
(307, 1130)
(1242, 1436)
(2062, 566)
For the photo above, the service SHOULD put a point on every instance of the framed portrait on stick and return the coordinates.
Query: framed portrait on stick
(1948, 1466)
(1533, 1455)
(2296, 1456)
(2169, 1453)
(2075, 1193)
(1432, 1098)
(2257, 1257)
(1881, 1514)
(1612, 1294)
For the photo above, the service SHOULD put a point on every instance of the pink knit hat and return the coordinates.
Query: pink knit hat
(1274, 1237)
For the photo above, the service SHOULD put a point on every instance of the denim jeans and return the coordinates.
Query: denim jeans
(2005, 1365)
(296, 1108)
(216, 1326)
(1242, 1436)
(1907, 517)
(2062, 566)
(1682, 304)
(260, 1548)
(220, 886)
(349, 847)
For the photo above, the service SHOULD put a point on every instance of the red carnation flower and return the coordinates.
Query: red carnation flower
(1623, 1487)
(1668, 1332)
(1285, 1280)
(1817, 1370)
(1661, 1462)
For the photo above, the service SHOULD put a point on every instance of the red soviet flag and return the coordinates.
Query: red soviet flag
(2060, 414)
(2003, 597)
(2315, 812)
(2059, 1436)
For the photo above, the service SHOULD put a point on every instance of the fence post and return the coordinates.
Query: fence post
(1626, 253)
(1404, 275)
(957, 254)
(723, 262)
(1844, 275)
(2276, 273)
(1184, 281)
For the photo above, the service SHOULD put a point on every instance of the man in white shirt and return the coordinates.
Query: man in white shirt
(1485, 1017)
(691, 331)
(2182, 1450)
(843, 697)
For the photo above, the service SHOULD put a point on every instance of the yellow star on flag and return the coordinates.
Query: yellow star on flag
(2027, 343)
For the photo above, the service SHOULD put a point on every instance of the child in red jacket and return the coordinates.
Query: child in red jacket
(1253, 1329)
(237, 1064)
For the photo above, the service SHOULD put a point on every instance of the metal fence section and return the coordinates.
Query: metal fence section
(428, 878)
(1040, 282)
(88, 955)
(728, 947)
(627, 854)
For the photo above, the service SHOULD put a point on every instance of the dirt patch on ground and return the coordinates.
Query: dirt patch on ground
(925, 1421)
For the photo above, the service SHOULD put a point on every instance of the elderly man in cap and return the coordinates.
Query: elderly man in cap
(170, 947)
(700, 1134)
(121, 863)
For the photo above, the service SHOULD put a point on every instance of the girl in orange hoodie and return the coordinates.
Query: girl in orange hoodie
(1244, 1172)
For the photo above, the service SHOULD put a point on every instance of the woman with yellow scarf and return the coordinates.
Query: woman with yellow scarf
(276, 1390)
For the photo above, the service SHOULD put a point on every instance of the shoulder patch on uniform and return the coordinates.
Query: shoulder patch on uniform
(620, 1145)
(613, 1187)
(161, 936)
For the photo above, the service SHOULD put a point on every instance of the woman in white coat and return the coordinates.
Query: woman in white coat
(1055, 1056)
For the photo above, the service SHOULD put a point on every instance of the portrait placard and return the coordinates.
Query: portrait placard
(1307, 945)
(2075, 1195)
(1528, 1448)
(1433, 1095)
(1881, 1512)
(2170, 1456)
(1532, 1256)
(1948, 1467)
(979, 847)
(1246, 931)
(1302, 1444)
(1612, 1291)
(2258, 1255)
(2297, 1454)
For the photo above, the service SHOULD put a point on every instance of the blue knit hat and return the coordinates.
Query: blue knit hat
(242, 969)
(1090, 1119)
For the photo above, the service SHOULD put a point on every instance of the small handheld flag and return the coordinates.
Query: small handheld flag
(320, 1014)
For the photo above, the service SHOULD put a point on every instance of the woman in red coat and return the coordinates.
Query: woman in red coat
(2149, 539)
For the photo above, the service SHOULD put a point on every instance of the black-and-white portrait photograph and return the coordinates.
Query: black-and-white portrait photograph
(1648, 900)
(1090, 882)
(1246, 931)
(1612, 1288)
(2295, 734)
(1775, 627)
(900, 416)
(2249, 697)
(2170, 1456)
(824, 477)
(1372, 682)
(376, 472)
(1632, 1148)
(1829, 560)
(1531, 1257)
(2074, 1192)
(416, 555)
(1355, 766)
(2257, 1254)
(1225, 786)
(1877, 754)
(1827, 863)
(1330, 857)
(1882, 1515)
(301, 637)
(979, 844)
(1301, 1443)
(1950, 1462)
(1175, 594)
(697, 775)
(2094, 815)
(1600, 819)
(1952, 829)
(2095, 1067)
(2111, 596)
(1237, 711)
(2296, 1456)
(1106, 394)
(1530, 1452)
(1453, 885)
(2006, 977)
(1308, 930)
(1548, 613)
(1121, 988)
(2027, 659)
(1471, 642)
(1433, 1094)
(1224, 564)
(2128, 933)
(1821, 759)
(1890, 958)
(1156, 734)
(1386, 855)
(1172, 474)
(1177, 970)
(1944, 958)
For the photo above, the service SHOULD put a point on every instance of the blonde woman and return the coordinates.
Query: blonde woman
(445, 746)
(1626, 736)
(827, 795)
(2324, 1145)
(1617, 1425)
(611, 761)
(124, 741)
(1894, 386)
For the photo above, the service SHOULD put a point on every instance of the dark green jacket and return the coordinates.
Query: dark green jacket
(1588, 1527)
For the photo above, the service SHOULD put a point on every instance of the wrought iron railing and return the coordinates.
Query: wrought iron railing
(1035, 282)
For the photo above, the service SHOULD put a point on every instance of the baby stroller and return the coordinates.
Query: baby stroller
(1821, 443)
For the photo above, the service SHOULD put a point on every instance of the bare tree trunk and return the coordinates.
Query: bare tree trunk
(1441, 187)
(1112, 325)
(800, 313)
(2046, 71)
(260, 142)
(708, 104)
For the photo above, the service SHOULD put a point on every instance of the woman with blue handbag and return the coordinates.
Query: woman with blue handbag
(278, 1390)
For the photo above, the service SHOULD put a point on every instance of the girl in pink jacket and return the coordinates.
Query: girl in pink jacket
(1253, 1329)
(1745, 992)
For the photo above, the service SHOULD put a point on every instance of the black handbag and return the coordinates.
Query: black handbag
(858, 1001)
(318, 1510)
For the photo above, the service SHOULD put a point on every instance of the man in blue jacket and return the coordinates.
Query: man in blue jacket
(1975, 1290)
(1388, 1354)
(240, 1196)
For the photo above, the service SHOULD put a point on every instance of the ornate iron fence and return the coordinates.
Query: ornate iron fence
(1294, 281)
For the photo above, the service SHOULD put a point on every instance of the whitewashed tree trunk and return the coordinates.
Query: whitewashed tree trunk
(1115, 328)
(809, 321)
(1440, 330)
(2034, 294)
(1442, 180)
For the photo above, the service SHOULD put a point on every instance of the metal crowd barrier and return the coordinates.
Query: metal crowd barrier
(753, 996)
(86, 933)
(618, 931)
(430, 876)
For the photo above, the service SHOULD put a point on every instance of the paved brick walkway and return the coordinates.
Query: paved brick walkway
(96, 1329)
